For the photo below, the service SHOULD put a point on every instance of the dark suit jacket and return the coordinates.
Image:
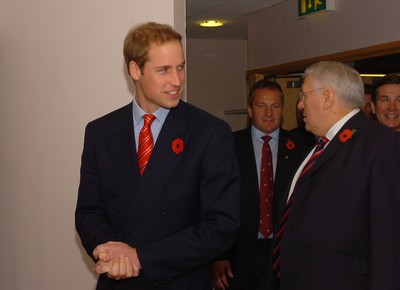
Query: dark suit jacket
(307, 136)
(243, 253)
(343, 231)
(182, 213)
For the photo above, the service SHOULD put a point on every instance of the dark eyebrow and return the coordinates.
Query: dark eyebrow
(162, 66)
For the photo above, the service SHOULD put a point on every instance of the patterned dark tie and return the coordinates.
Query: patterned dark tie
(146, 142)
(276, 259)
(266, 188)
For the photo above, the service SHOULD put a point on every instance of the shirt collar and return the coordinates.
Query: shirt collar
(257, 134)
(335, 128)
(161, 113)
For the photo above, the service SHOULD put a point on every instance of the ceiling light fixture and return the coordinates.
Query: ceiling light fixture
(211, 23)
(372, 75)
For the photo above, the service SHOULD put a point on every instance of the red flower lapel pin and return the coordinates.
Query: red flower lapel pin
(290, 144)
(346, 134)
(177, 145)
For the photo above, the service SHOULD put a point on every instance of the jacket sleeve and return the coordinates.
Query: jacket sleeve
(91, 220)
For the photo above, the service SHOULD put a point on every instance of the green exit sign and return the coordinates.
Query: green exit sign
(307, 7)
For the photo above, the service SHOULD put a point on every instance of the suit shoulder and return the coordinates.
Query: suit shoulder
(300, 139)
(201, 118)
(241, 135)
(242, 132)
(292, 135)
(116, 114)
(293, 143)
(119, 118)
(379, 132)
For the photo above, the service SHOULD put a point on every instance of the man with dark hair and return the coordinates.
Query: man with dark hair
(367, 107)
(386, 101)
(246, 266)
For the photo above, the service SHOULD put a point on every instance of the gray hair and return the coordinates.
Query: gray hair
(345, 80)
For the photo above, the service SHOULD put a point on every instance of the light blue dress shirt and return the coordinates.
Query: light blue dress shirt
(258, 143)
(161, 114)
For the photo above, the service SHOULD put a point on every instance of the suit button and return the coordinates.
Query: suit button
(115, 210)
(164, 211)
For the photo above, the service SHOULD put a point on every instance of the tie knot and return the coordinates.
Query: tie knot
(266, 138)
(148, 119)
(322, 142)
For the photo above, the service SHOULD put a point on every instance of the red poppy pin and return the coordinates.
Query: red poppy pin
(346, 135)
(177, 145)
(290, 145)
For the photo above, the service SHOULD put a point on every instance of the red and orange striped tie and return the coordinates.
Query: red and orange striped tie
(146, 142)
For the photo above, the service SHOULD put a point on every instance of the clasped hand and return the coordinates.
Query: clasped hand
(117, 259)
(221, 273)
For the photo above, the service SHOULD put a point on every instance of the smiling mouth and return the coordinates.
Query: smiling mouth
(173, 93)
(392, 116)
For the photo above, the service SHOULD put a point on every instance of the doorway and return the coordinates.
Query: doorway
(382, 58)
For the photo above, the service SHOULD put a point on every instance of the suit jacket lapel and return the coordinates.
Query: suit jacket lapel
(283, 158)
(249, 162)
(122, 149)
(336, 144)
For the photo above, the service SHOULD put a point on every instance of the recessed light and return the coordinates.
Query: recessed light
(211, 23)
(373, 75)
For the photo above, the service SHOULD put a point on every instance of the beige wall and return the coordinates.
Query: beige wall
(276, 36)
(217, 77)
(61, 65)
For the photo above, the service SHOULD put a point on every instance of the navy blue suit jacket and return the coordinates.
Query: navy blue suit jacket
(182, 213)
(343, 231)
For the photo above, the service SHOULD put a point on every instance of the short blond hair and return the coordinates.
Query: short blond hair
(141, 38)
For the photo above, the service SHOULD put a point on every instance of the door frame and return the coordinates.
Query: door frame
(287, 70)
(346, 56)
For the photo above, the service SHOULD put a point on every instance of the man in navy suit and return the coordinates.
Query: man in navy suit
(342, 229)
(160, 226)
(247, 265)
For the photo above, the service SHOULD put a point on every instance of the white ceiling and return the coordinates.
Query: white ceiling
(232, 12)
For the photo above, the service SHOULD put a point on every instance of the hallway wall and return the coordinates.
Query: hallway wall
(61, 65)
(276, 36)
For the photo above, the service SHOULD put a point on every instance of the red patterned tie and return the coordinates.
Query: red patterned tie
(146, 142)
(276, 259)
(266, 188)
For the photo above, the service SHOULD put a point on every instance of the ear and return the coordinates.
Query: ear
(373, 107)
(249, 112)
(134, 70)
(329, 98)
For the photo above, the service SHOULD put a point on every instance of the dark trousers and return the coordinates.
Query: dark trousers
(275, 283)
(261, 274)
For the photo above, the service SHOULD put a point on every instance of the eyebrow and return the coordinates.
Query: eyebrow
(168, 65)
(386, 96)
